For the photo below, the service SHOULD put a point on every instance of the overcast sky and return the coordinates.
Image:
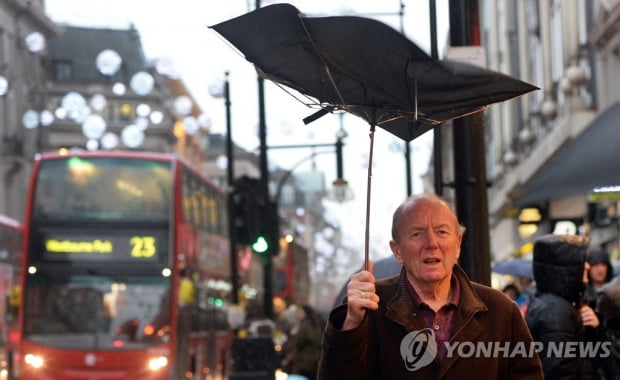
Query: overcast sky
(178, 31)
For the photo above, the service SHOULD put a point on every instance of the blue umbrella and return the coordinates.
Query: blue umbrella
(515, 267)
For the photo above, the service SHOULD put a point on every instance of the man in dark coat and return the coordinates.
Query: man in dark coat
(556, 315)
(430, 321)
(609, 308)
(600, 272)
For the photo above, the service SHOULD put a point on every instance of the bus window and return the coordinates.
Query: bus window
(103, 189)
(211, 212)
(209, 312)
(96, 311)
(187, 200)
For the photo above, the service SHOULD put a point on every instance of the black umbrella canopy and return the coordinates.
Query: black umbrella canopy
(364, 67)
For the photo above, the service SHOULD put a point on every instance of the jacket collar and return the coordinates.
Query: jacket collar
(402, 310)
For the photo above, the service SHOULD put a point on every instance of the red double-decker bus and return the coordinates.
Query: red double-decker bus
(125, 270)
(10, 258)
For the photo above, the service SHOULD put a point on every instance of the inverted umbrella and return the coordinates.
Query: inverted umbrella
(366, 68)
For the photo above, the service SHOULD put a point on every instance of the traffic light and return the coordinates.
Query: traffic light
(260, 245)
(266, 235)
(243, 202)
(255, 217)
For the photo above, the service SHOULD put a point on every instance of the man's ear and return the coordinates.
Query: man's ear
(396, 251)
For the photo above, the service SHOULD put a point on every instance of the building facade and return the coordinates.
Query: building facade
(547, 151)
(24, 28)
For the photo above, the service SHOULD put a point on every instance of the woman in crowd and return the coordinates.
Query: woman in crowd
(303, 349)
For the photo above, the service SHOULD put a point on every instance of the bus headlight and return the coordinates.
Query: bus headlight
(158, 363)
(35, 361)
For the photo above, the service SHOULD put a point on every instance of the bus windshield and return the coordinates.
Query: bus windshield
(97, 312)
(102, 189)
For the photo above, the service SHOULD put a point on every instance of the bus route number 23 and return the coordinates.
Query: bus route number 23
(143, 246)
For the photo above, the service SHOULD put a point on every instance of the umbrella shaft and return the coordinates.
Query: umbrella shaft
(368, 187)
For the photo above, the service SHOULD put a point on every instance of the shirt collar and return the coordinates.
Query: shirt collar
(455, 289)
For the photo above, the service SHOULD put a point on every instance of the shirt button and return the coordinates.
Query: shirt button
(415, 314)
(436, 327)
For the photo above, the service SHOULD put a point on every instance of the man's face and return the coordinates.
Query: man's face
(598, 272)
(428, 241)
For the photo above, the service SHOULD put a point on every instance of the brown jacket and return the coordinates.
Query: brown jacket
(485, 318)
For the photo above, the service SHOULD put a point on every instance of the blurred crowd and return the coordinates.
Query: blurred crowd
(296, 332)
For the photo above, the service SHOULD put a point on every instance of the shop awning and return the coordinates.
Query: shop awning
(589, 160)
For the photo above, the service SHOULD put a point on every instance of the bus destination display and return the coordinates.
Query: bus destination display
(119, 246)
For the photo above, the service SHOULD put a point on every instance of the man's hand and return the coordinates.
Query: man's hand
(588, 316)
(360, 297)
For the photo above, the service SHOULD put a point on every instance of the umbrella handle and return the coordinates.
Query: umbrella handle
(368, 187)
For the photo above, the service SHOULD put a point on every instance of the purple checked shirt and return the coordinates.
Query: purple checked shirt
(441, 321)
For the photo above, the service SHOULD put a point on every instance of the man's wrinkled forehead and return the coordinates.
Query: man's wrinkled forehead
(433, 209)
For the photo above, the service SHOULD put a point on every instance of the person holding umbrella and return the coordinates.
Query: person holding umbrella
(423, 322)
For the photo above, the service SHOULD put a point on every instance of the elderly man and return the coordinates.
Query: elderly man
(431, 321)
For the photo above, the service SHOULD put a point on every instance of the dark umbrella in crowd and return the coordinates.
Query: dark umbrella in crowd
(366, 68)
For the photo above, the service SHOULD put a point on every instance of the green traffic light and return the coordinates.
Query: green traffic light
(260, 245)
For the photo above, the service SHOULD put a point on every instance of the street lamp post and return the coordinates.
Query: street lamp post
(218, 92)
(469, 160)
(264, 189)
(437, 146)
(230, 159)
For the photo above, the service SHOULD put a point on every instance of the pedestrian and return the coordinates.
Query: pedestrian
(529, 289)
(609, 309)
(303, 348)
(255, 323)
(512, 291)
(187, 290)
(281, 320)
(555, 314)
(423, 322)
(599, 274)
